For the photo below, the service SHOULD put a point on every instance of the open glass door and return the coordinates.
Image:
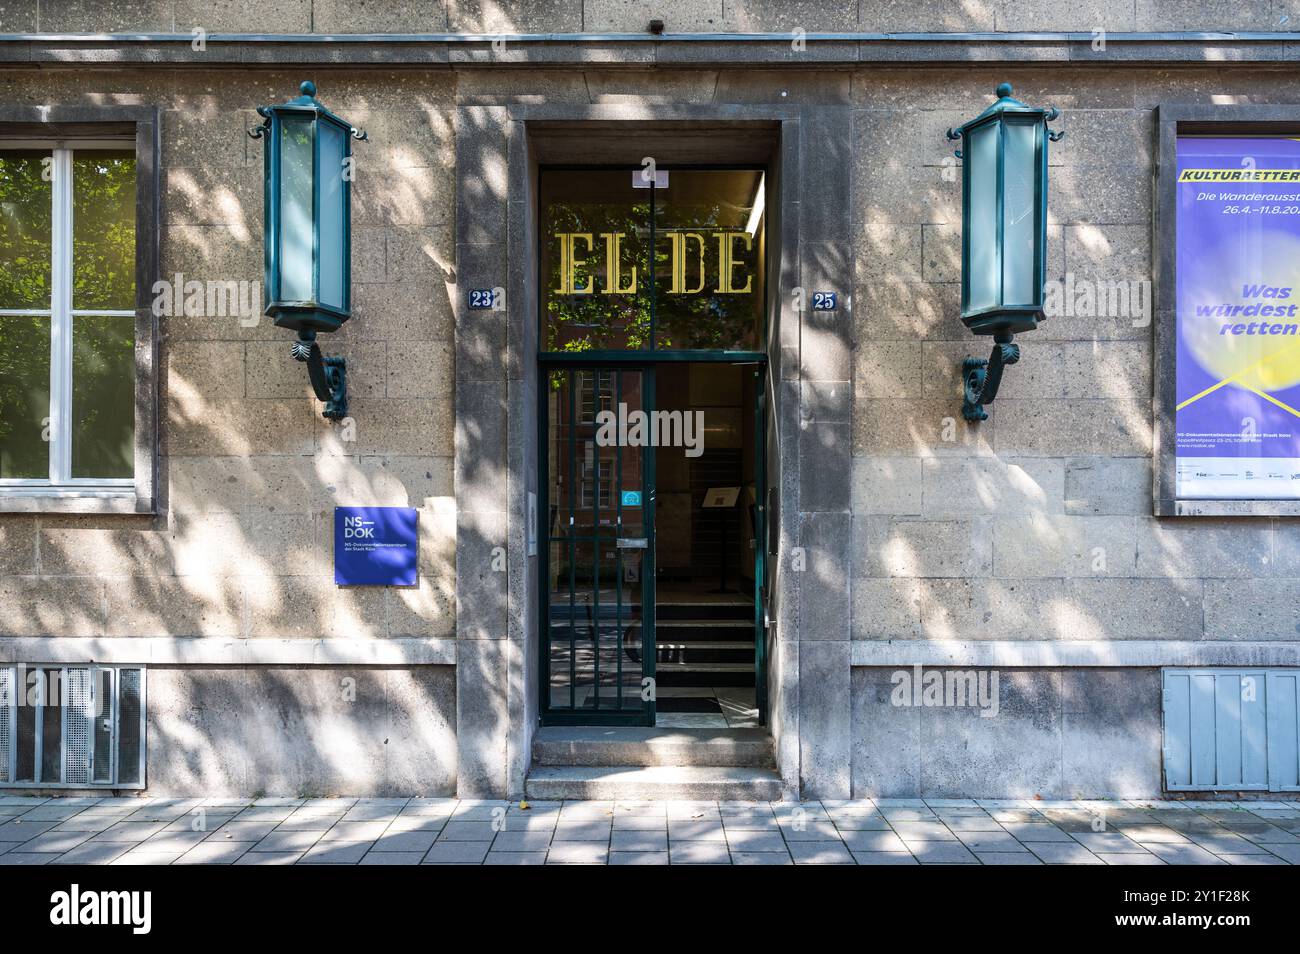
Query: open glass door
(599, 615)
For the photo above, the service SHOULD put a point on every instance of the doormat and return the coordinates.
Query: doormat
(687, 704)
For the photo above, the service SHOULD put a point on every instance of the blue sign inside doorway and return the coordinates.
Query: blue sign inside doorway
(376, 546)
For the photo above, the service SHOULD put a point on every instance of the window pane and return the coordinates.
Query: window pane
(296, 235)
(332, 210)
(25, 203)
(983, 274)
(103, 396)
(709, 254)
(1019, 212)
(103, 229)
(595, 276)
(24, 396)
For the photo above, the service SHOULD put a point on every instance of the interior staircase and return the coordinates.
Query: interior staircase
(704, 644)
(635, 764)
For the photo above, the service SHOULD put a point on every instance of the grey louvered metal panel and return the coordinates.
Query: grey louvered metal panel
(1231, 730)
(1284, 730)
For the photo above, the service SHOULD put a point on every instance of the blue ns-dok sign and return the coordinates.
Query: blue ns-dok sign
(375, 546)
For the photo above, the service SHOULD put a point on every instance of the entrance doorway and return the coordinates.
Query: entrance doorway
(653, 564)
(652, 305)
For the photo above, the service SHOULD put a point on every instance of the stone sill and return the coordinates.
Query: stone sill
(224, 651)
(1059, 654)
(125, 502)
(1188, 507)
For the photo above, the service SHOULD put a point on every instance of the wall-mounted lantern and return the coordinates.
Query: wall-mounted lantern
(1003, 235)
(307, 160)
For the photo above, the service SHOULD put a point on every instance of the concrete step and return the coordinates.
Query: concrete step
(696, 630)
(663, 645)
(696, 675)
(705, 652)
(610, 746)
(739, 610)
(688, 782)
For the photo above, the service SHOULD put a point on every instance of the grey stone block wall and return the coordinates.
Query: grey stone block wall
(301, 731)
(911, 524)
(1054, 733)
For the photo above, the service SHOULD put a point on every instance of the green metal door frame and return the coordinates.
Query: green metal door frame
(572, 715)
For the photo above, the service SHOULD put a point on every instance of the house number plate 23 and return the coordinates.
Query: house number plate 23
(482, 298)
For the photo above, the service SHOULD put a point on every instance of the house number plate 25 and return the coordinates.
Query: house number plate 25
(823, 301)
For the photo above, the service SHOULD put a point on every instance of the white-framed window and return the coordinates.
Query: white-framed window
(67, 317)
(72, 726)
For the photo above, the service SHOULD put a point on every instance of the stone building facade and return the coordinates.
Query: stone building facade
(1027, 545)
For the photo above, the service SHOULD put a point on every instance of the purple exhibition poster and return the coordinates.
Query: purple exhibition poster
(1238, 320)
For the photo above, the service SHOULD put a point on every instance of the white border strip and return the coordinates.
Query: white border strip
(1053, 653)
(219, 651)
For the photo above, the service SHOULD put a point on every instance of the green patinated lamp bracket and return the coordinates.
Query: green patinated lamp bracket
(328, 376)
(981, 378)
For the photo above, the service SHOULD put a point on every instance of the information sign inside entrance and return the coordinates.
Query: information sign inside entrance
(722, 497)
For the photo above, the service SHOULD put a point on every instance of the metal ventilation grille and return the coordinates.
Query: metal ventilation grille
(77, 727)
(68, 727)
(128, 736)
(6, 719)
